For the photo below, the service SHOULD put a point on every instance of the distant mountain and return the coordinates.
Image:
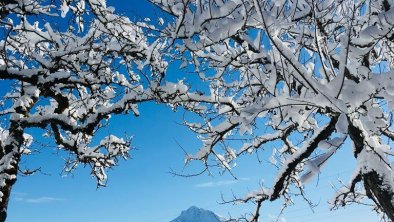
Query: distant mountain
(195, 214)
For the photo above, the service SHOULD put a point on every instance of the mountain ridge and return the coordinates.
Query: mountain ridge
(196, 214)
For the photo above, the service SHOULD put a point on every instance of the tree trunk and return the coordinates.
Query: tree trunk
(376, 188)
(377, 191)
(9, 161)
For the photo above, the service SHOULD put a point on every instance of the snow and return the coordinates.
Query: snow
(282, 75)
(67, 80)
(342, 125)
(274, 72)
(64, 8)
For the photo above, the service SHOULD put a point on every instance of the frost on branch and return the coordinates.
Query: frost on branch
(68, 77)
(99, 157)
(303, 75)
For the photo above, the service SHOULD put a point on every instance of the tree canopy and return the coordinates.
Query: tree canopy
(312, 74)
(69, 69)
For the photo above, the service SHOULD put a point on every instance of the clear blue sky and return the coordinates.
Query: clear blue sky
(142, 190)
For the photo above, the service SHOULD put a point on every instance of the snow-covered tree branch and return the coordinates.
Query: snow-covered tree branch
(316, 71)
(69, 66)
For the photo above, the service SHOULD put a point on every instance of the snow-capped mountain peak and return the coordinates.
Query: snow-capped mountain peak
(195, 214)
